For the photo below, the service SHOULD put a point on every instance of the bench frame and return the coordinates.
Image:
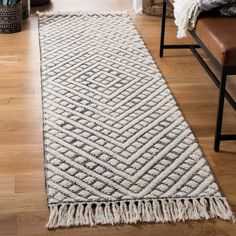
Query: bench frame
(221, 84)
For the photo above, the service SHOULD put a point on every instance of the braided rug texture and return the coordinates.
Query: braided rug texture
(117, 147)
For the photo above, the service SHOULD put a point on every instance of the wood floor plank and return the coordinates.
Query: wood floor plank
(8, 224)
(7, 184)
(11, 203)
(29, 183)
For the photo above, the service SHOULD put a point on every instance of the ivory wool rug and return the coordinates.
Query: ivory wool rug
(117, 147)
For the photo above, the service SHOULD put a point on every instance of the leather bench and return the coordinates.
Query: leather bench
(216, 35)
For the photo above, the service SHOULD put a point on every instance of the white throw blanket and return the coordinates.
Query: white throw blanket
(186, 12)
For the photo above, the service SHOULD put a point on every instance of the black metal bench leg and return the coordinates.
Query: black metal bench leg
(220, 112)
(163, 24)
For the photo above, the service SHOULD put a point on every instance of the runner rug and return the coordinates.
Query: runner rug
(117, 147)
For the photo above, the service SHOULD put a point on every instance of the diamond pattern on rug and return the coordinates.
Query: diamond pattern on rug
(112, 129)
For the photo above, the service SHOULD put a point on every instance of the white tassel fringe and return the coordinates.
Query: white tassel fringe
(133, 211)
(186, 13)
(79, 13)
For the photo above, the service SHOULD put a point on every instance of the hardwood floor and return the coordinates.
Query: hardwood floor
(23, 205)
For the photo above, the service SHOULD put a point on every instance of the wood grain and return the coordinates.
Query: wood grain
(23, 205)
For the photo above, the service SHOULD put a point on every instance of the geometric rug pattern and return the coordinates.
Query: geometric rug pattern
(113, 132)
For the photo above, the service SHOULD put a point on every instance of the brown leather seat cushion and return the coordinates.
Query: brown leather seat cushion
(218, 34)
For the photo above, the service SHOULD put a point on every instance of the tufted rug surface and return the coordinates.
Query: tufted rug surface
(117, 147)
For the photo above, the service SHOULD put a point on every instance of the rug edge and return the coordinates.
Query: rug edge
(81, 12)
(133, 211)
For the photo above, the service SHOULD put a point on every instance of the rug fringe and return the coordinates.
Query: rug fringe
(79, 13)
(133, 211)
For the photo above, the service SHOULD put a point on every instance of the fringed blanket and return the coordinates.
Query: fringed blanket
(187, 11)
